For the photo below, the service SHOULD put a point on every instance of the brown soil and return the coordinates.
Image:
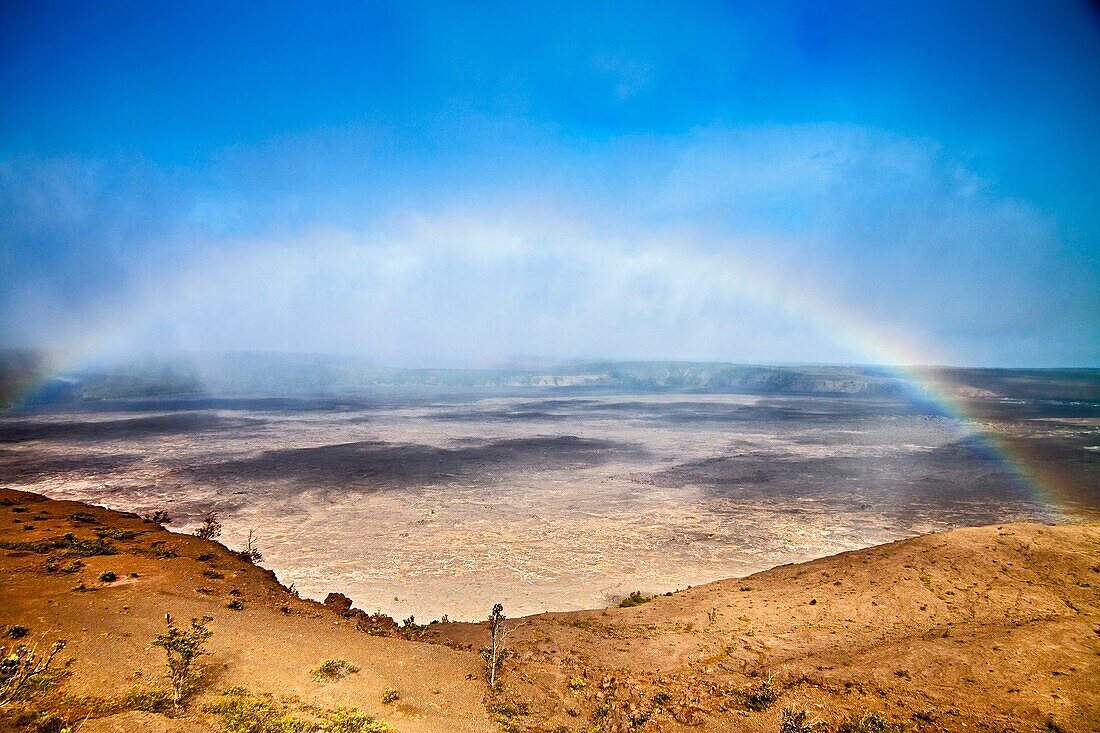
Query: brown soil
(991, 628)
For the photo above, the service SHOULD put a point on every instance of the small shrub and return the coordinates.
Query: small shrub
(210, 528)
(121, 535)
(85, 517)
(162, 551)
(68, 543)
(15, 631)
(22, 667)
(212, 574)
(43, 722)
(90, 548)
(506, 712)
(159, 517)
(205, 557)
(636, 598)
(250, 554)
(244, 713)
(871, 723)
(332, 670)
(761, 697)
(53, 565)
(795, 721)
(235, 605)
(107, 577)
(389, 695)
(353, 720)
(577, 683)
(183, 647)
(149, 701)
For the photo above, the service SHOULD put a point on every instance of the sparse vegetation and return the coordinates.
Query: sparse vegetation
(15, 631)
(162, 551)
(212, 574)
(211, 527)
(159, 517)
(797, 721)
(69, 544)
(250, 554)
(506, 712)
(245, 713)
(149, 701)
(389, 695)
(182, 647)
(332, 670)
(871, 723)
(53, 565)
(636, 598)
(107, 576)
(410, 629)
(21, 667)
(759, 697)
(577, 683)
(114, 533)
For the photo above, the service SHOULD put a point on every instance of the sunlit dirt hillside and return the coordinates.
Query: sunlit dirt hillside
(992, 628)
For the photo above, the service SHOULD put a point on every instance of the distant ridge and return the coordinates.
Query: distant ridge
(24, 378)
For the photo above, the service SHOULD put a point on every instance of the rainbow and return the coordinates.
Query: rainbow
(873, 342)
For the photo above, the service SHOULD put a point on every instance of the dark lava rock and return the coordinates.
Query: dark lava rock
(338, 602)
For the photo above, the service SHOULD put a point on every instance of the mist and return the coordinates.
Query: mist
(806, 243)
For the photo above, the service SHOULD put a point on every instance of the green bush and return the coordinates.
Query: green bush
(389, 695)
(68, 543)
(107, 576)
(149, 701)
(211, 527)
(332, 670)
(121, 535)
(636, 598)
(871, 723)
(761, 697)
(162, 551)
(244, 713)
(182, 647)
(353, 720)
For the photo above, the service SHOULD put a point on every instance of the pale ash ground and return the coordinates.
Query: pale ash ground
(663, 499)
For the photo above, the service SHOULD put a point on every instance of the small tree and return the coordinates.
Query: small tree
(160, 517)
(498, 638)
(20, 666)
(183, 647)
(250, 553)
(211, 527)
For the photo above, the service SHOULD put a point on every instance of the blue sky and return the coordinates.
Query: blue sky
(433, 184)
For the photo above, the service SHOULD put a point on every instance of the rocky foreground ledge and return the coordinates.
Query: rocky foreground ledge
(990, 628)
